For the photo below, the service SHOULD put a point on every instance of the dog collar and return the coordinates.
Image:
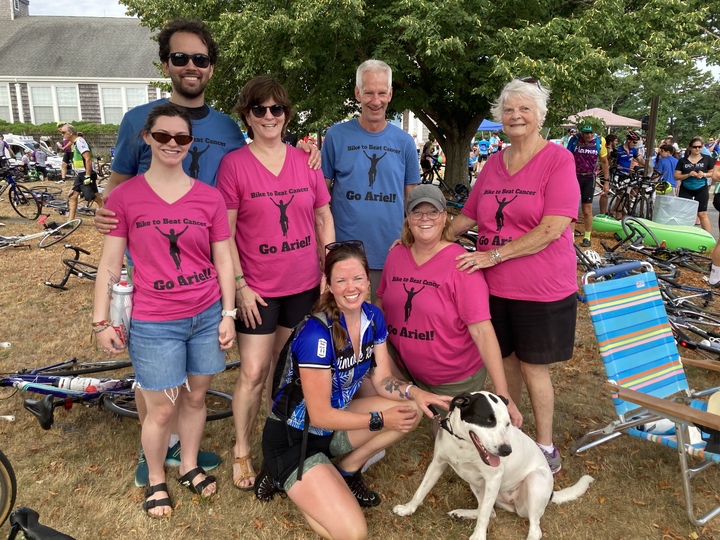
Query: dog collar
(446, 426)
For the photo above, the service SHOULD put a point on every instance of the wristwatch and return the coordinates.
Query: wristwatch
(376, 421)
(229, 313)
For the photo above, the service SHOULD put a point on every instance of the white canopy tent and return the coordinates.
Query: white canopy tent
(611, 119)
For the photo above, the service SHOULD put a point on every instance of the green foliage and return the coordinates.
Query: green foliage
(50, 129)
(450, 57)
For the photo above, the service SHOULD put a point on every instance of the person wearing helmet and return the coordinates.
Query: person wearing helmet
(589, 150)
(629, 152)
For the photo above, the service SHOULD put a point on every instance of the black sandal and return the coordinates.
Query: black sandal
(147, 505)
(187, 478)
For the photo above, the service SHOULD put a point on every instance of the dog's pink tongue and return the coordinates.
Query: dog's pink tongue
(493, 460)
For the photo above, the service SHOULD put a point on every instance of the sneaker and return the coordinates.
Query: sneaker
(265, 487)
(142, 474)
(206, 460)
(553, 460)
(585, 243)
(364, 495)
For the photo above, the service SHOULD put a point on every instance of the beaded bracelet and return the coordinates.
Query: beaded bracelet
(241, 287)
(99, 329)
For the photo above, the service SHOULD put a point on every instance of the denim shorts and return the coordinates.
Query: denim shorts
(164, 353)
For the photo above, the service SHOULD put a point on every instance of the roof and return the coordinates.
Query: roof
(86, 47)
(610, 119)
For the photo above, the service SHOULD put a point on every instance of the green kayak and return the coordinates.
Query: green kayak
(674, 236)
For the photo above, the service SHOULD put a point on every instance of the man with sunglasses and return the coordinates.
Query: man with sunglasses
(368, 196)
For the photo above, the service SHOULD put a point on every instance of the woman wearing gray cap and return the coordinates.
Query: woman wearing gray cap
(438, 318)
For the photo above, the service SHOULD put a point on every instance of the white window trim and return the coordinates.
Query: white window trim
(53, 94)
(123, 96)
(10, 90)
(16, 5)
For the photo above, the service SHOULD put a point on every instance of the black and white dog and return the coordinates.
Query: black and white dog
(503, 466)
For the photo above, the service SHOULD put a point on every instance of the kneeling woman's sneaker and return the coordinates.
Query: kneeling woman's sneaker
(364, 495)
(265, 486)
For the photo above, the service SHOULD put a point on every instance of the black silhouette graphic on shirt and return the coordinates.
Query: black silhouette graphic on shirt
(372, 171)
(284, 222)
(195, 160)
(410, 295)
(174, 249)
(499, 216)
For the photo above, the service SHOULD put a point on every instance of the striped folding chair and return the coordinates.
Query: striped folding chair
(646, 377)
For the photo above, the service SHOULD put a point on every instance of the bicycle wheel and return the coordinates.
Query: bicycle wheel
(8, 488)
(81, 368)
(219, 404)
(639, 208)
(635, 229)
(467, 241)
(24, 202)
(81, 268)
(60, 233)
(105, 169)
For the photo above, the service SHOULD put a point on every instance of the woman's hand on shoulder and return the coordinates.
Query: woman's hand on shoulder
(315, 159)
(424, 399)
(247, 301)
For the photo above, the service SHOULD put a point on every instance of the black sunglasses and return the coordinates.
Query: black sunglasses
(696, 146)
(259, 110)
(532, 80)
(349, 243)
(163, 138)
(180, 59)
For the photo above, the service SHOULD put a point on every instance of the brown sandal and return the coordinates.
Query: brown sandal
(246, 472)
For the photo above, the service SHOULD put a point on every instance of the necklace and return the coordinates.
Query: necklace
(523, 163)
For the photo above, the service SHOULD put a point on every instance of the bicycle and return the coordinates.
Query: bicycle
(52, 234)
(74, 267)
(62, 388)
(22, 519)
(62, 207)
(21, 198)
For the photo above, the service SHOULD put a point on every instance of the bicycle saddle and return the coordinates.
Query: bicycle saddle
(27, 520)
(42, 409)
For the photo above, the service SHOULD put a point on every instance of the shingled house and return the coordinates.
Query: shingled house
(56, 69)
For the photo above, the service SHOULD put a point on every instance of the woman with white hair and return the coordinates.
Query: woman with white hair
(523, 203)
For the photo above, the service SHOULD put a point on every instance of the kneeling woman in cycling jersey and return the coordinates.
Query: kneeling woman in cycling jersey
(332, 362)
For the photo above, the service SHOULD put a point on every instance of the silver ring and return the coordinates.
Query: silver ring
(474, 262)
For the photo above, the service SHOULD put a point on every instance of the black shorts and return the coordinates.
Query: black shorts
(280, 457)
(88, 191)
(537, 332)
(68, 157)
(284, 311)
(482, 157)
(587, 188)
(700, 195)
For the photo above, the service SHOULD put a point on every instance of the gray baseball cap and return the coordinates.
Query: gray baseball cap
(426, 193)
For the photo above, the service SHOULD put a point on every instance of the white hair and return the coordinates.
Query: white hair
(373, 66)
(523, 88)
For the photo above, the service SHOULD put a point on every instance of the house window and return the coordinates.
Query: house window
(5, 112)
(117, 101)
(42, 104)
(16, 5)
(67, 102)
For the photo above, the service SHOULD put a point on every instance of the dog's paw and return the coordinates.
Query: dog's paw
(463, 514)
(404, 509)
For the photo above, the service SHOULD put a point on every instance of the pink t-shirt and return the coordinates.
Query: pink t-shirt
(275, 232)
(428, 308)
(506, 207)
(174, 277)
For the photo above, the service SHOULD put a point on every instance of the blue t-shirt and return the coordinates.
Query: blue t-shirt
(370, 172)
(484, 147)
(314, 349)
(215, 135)
(666, 167)
(625, 157)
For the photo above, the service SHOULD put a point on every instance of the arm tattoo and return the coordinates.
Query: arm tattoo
(392, 385)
